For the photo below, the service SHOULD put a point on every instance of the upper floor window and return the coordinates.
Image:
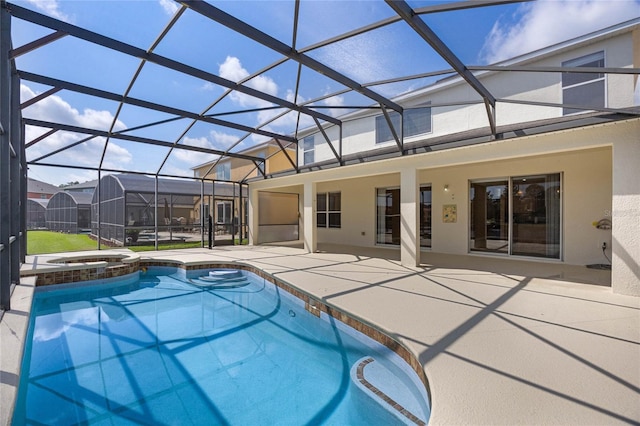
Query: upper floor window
(308, 149)
(416, 122)
(262, 164)
(583, 88)
(223, 171)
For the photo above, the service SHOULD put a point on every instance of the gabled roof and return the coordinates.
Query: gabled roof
(40, 187)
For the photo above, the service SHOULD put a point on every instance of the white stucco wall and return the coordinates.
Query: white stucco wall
(625, 275)
(583, 156)
(359, 133)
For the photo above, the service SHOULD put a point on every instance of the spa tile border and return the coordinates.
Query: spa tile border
(313, 305)
(386, 398)
(93, 269)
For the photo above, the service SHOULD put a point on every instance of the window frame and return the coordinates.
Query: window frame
(390, 220)
(308, 147)
(511, 213)
(223, 171)
(326, 211)
(423, 217)
(593, 79)
(382, 129)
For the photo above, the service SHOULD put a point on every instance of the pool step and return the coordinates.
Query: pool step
(221, 278)
(224, 273)
(375, 382)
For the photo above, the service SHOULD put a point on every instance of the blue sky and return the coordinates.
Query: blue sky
(476, 36)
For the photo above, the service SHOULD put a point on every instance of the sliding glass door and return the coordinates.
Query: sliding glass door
(518, 216)
(489, 216)
(388, 216)
(536, 216)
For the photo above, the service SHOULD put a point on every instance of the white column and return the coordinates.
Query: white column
(253, 216)
(409, 219)
(625, 233)
(309, 229)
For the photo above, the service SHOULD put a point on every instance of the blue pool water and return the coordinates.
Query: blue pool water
(174, 348)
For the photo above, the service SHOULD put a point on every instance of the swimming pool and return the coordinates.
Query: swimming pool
(214, 347)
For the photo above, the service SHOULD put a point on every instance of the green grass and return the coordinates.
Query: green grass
(42, 242)
(166, 246)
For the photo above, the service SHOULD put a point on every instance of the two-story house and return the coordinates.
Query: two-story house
(231, 169)
(542, 175)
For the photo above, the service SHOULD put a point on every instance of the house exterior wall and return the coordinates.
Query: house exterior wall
(586, 177)
(359, 132)
(583, 156)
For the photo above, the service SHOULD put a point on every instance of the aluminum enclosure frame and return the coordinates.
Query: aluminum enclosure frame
(13, 162)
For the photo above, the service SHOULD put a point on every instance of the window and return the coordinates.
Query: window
(582, 88)
(416, 121)
(425, 216)
(223, 211)
(261, 165)
(388, 216)
(308, 150)
(517, 216)
(223, 171)
(328, 210)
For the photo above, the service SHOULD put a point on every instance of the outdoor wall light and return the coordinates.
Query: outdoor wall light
(446, 187)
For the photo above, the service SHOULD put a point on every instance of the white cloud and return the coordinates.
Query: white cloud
(169, 6)
(216, 140)
(194, 157)
(233, 70)
(51, 8)
(334, 101)
(544, 23)
(54, 108)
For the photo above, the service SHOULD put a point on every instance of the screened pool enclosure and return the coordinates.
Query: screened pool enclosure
(36, 211)
(126, 209)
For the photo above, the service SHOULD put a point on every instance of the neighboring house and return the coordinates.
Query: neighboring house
(238, 170)
(87, 187)
(227, 211)
(532, 189)
(40, 190)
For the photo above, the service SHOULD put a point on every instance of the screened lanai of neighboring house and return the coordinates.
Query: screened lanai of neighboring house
(36, 213)
(130, 209)
(69, 212)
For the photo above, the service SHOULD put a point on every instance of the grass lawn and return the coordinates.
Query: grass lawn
(42, 242)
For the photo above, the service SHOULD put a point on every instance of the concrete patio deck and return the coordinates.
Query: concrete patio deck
(502, 341)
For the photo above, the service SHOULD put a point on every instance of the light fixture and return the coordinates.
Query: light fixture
(446, 187)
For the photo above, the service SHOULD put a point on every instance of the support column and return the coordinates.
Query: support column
(310, 232)
(625, 233)
(253, 217)
(16, 207)
(409, 218)
(5, 160)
